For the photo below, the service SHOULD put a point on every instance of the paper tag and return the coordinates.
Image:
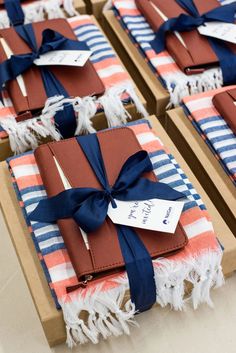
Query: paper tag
(64, 57)
(221, 30)
(154, 214)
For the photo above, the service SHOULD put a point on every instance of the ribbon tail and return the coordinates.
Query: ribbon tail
(139, 268)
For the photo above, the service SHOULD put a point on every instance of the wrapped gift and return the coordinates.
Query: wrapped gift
(192, 51)
(104, 300)
(225, 103)
(71, 78)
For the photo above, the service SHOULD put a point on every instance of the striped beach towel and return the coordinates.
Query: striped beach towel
(103, 307)
(164, 67)
(119, 91)
(38, 10)
(213, 129)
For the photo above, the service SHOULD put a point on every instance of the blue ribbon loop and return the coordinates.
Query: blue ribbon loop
(89, 206)
(184, 23)
(14, 12)
(18, 64)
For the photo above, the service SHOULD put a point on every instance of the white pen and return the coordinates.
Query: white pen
(163, 16)
(67, 186)
(19, 78)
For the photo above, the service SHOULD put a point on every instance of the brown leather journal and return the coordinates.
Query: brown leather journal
(225, 104)
(77, 81)
(198, 54)
(104, 255)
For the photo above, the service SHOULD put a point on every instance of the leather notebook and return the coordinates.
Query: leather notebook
(197, 54)
(104, 254)
(225, 104)
(77, 81)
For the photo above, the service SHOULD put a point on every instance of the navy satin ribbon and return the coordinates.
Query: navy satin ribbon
(14, 12)
(185, 22)
(18, 64)
(89, 206)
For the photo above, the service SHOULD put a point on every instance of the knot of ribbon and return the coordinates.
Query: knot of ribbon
(185, 22)
(18, 64)
(89, 207)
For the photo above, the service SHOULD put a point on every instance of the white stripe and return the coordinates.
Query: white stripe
(231, 165)
(50, 242)
(165, 168)
(211, 124)
(61, 272)
(100, 55)
(100, 47)
(162, 60)
(201, 103)
(138, 25)
(196, 228)
(228, 154)
(225, 143)
(126, 5)
(87, 35)
(111, 70)
(145, 39)
(129, 19)
(46, 229)
(171, 179)
(145, 137)
(25, 170)
(162, 157)
(142, 32)
(33, 194)
(96, 40)
(215, 134)
(86, 28)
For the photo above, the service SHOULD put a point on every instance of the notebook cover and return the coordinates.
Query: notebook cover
(105, 253)
(199, 53)
(224, 103)
(78, 81)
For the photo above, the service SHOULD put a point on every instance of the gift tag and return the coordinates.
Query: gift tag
(221, 30)
(64, 57)
(154, 214)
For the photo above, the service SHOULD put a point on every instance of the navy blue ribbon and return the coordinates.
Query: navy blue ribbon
(18, 64)
(14, 12)
(89, 206)
(184, 23)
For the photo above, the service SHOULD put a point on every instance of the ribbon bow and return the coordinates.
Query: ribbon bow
(184, 22)
(89, 206)
(18, 64)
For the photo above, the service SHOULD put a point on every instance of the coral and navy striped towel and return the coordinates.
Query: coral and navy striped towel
(213, 128)
(103, 308)
(119, 91)
(167, 71)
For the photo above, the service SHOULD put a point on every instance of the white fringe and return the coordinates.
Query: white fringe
(26, 135)
(180, 85)
(111, 313)
(39, 10)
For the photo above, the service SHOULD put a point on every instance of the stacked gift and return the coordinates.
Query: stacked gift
(171, 36)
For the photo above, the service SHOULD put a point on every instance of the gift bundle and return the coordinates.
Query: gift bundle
(101, 273)
(178, 40)
(59, 101)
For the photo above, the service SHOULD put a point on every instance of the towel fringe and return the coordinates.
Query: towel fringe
(180, 85)
(110, 312)
(27, 134)
(41, 9)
